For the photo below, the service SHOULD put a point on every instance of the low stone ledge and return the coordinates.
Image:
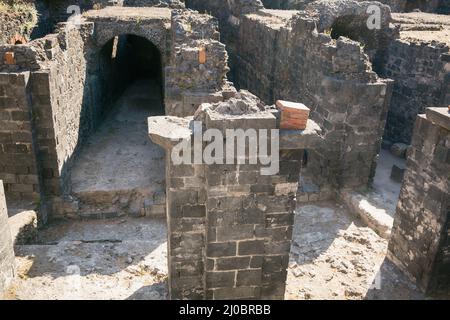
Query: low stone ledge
(168, 131)
(378, 219)
(440, 116)
(310, 138)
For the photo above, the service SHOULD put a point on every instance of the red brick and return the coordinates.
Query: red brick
(293, 115)
(9, 58)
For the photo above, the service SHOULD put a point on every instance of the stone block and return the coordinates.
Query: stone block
(194, 211)
(251, 247)
(275, 263)
(237, 293)
(399, 150)
(220, 279)
(236, 232)
(233, 263)
(440, 116)
(221, 249)
(248, 278)
(397, 173)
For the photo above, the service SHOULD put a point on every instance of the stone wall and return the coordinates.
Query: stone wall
(228, 14)
(18, 166)
(186, 218)
(420, 236)
(395, 5)
(189, 81)
(422, 79)
(291, 60)
(6, 246)
(52, 77)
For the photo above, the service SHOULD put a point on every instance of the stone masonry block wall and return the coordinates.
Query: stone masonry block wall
(55, 91)
(228, 14)
(249, 221)
(6, 246)
(186, 215)
(395, 5)
(65, 92)
(422, 79)
(420, 236)
(18, 166)
(62, 122)
(189, 82)
(279, 59)
(286, 56)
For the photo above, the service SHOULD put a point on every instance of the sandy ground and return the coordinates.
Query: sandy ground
(109, 259)
(332, 257)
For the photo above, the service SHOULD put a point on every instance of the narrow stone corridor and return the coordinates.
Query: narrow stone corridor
(119, 165)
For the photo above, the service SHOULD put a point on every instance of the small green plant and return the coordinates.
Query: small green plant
(23, 9)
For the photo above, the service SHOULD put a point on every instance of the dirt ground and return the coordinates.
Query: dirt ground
(332, 257)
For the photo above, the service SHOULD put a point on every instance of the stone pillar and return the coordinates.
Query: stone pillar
(420, 242)
(6, 245)
(186, 212)
(230, 225)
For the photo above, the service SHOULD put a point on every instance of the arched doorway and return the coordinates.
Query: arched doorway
(131, 61)
(119, 170)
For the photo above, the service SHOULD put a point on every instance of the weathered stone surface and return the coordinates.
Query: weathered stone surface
(440, 116)
(419, 243)
(376, 218)
(167, 131)
(397, 173)
(6, 246)
(418, 63)
(310, 138)
(399, 150)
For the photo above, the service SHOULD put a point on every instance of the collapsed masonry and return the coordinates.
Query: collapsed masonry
(229, 227)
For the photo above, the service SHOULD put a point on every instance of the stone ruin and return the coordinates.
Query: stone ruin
(229, 228)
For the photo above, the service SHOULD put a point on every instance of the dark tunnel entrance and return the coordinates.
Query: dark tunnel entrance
(130, 60)
(119, 170)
